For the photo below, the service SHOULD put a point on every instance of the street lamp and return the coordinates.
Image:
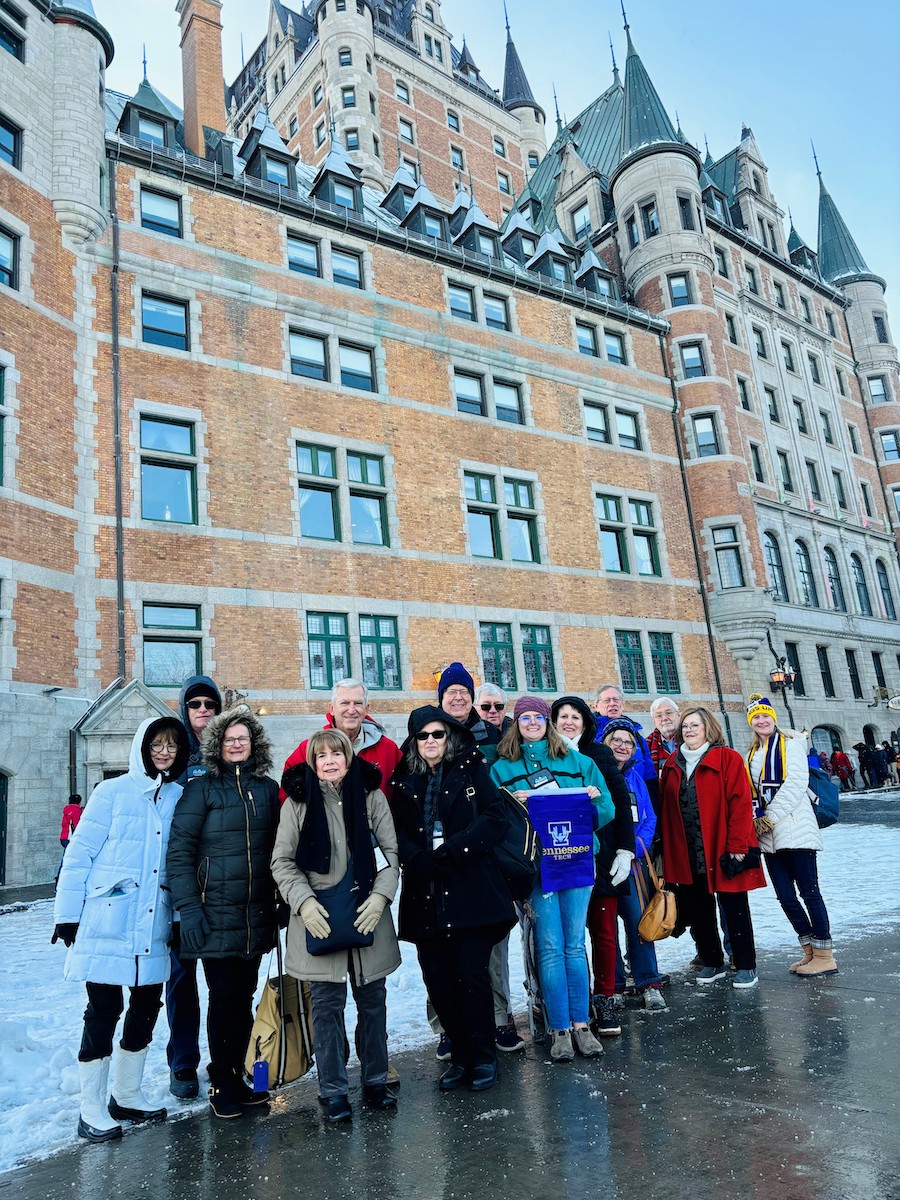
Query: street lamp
(781, 677)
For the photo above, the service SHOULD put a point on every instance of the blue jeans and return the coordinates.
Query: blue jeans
(641, 954)
(559, 922)
(793, 871)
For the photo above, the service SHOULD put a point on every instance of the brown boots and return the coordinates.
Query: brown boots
(801, 962)
(821, 963)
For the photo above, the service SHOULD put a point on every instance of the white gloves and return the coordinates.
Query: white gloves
(315, 917)
(621, 865)
(370, 913)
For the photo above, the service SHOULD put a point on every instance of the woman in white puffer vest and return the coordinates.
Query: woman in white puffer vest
(788, 833)
(114, 913)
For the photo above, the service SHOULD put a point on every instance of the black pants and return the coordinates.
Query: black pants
(183, 1011)
(104, 1007)
(232, 983)
(455, 967)
(697, 908)
(328, 1003)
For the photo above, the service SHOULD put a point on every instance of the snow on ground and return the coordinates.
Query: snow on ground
(41, 1014)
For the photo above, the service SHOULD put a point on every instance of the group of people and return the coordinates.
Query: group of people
(877, 765)
(197, 854)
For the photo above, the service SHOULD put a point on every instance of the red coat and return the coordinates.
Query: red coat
(380, 750)
(726, 820)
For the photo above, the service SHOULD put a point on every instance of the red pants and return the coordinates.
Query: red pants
(601, 923)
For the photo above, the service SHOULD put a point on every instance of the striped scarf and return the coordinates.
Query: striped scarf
(772, 776)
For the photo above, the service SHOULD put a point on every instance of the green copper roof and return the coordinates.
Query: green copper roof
(839, 255)
(150, 99)
(795, 241)
(644, 120)
(725, 173)
(516, 89)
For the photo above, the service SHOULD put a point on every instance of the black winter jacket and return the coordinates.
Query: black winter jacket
(459, 886)
(221, 845)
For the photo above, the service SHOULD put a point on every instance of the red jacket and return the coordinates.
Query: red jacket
(70, 818)
(726, 820)
(377, 748)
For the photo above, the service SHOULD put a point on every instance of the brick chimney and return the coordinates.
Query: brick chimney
(201, 70)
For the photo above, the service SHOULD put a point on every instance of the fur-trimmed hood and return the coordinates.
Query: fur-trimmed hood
(211, 742)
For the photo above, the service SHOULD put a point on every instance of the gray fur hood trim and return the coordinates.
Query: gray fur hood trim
(211, 742)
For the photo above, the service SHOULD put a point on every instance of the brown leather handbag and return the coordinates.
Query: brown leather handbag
(659, 909)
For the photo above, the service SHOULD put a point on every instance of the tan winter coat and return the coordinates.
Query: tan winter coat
(370, 962)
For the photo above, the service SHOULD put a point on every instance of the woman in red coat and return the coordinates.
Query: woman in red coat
(706, 820)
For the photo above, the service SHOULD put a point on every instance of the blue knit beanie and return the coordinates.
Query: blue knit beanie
(455, 673)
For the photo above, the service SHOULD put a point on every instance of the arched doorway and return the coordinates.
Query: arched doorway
(826, 739)
(870, 735)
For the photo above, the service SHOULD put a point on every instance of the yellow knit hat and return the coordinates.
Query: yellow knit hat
(760, 706)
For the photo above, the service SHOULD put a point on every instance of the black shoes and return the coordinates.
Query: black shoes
(452, 1078)
(484, 1077)
(377, 1096)
(337, 1109)
(246, 1096)
(444, 1050)
(184, 1084)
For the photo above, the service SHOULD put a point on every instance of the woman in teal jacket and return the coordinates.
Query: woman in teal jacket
(530, 747)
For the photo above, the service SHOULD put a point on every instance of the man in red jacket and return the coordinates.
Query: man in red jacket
(349, 712)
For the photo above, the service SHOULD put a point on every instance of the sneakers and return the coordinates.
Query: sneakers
(618, 1000)
(745, 979)
(184, 1084)
(507, 1038)
(654, 1001)
(586, 1044)
(711, 974)
(444, 1050)
(606, 1023)
(561, 1049)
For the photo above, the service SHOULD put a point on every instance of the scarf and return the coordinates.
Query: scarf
(772, 775)
(430, 801)
(692, 757)
(314, 846)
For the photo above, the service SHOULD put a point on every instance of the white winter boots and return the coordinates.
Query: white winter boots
(127, 1102)
(94, 1122)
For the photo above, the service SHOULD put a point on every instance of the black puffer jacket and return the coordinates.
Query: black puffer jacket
(221, 844)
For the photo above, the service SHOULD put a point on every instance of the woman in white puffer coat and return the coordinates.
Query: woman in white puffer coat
(788, 833)
(114, 913)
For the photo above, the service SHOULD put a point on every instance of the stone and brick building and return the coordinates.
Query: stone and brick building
(342, 370)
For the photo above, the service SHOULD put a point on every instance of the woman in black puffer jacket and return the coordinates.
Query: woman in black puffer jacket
(218, 860)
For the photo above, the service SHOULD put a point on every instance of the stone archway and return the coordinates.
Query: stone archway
(826, 738)
(870, 735)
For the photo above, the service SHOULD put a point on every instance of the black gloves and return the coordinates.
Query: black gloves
(194, 928)
(65, 933)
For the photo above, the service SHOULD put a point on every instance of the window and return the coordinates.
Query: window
(3, 413)
(406, 131)
(631, 230)
(452, 120)
(9, 258)
(888, 609)
(680, 291)
(613, 543)
(631, 661)
(503, 182)
(878, 667)
(596, 423)
(532, 160)
(800, 415)
(826, 427)
(345, 57)
(457, 158)
(825, 671)
(788, 356)
(168, 471)
(809, 595)
(293, 126)
(329, 649)
(380, 649)
(628, 432)
(624, 541)
(706, 436)
(650, 219)
(438, 51)
(890, 444)
(309, 355)
(662, 659)
(731, 329)
(496, 311)
(756, 459)
(351, 139)
(833, 575)
(775, 568)
(514, 510)
(462, 302)
(692, 360)
(277, 171)
(151, 131)
(521, 520)
(581, 222)
(537, 653)
(508, 402)
(752, 282)
(841, 381)
(772, 405)
(469, 391)
(319, 510)
(320, 134)
(348, 97)
(586, 337)
(721, 262)
(829, 321)
(499, 146)
(341, 490)
(877, 389)
(792, 654)
(853, 671)
(497, 654)
(170, 658)
(806, 310)
(759, 339)
(728, 557)
(744, 393)
(346, 268)
(814, 373)
(881, 333)
(10, 143)
(402, 92)
(784, 467)
(854, 438)
(376, 146)
(813, 475)
(867, 498)
(11, 42)
(686, 212)
(318, 95)
(615, 347)
(164, 322)
(863, 601)
(840, 495)
(356, 366)
(303, 256)
(779, 295)
(367, 495)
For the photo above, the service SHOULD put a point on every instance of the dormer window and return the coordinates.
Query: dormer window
(487, 244)
(581, 222)
(559, 270)
(529, 245)
(344, 195)
(151, 131)
(650, 219)
(276, 171)
(429, 12)
(433, 226)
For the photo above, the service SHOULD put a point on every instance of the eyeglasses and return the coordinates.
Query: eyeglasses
(533, 719)
(626, 742)
(437, 734)
(242, 741)
(497, 707)
(163, 747)
(698, 728)
(209, 705)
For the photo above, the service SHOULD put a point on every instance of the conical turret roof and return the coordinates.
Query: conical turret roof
(517, 91)
(644, 118)
(839, 255)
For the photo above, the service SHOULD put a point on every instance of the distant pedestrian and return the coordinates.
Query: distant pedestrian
(842, 768)
(880, 769)
(864, 754)
(71, 815)
(891, 757)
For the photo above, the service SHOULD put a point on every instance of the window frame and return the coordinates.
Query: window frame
(191, 635)
(350, 378)
(355, 280)
(379, 641)
(9, 276)
(727, 550)
(537, 678)
(13, 158)
(683, 297)
(498, 654)
(170, 341)
(327, 638)
(184, 462)
(631, 662)
(693, 370)
(323, 372)
(702, 444)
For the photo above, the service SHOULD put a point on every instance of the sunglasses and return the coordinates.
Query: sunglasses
(437, 734)
(498, 707)
(210, 705)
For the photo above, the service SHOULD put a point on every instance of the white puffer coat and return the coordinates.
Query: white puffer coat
(113, 875)
(790, 811)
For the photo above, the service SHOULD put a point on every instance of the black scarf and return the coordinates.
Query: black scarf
(314, 846)
(430, 803)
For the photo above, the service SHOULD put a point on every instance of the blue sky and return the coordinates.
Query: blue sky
(792, 69)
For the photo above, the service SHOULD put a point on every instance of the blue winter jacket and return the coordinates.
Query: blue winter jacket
(644, 758)
(645, 826)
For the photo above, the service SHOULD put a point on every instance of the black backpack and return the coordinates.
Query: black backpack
(519, 852)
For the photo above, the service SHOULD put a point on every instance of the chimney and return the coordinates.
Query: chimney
(201, 70)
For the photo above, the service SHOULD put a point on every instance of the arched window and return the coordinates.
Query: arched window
(345, 57)
(887, 597)
(838, 600)
(777, 580)
(808, 593)
(864, 604)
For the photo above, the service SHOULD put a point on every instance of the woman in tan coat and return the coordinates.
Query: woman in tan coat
(324, 842)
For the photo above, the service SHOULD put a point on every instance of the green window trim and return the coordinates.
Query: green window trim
(497, 654)
(328, 643)
(380, 649)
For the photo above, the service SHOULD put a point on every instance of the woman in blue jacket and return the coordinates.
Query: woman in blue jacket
(619, 736)
(531, 746)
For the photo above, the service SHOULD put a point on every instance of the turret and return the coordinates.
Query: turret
(518, 98)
